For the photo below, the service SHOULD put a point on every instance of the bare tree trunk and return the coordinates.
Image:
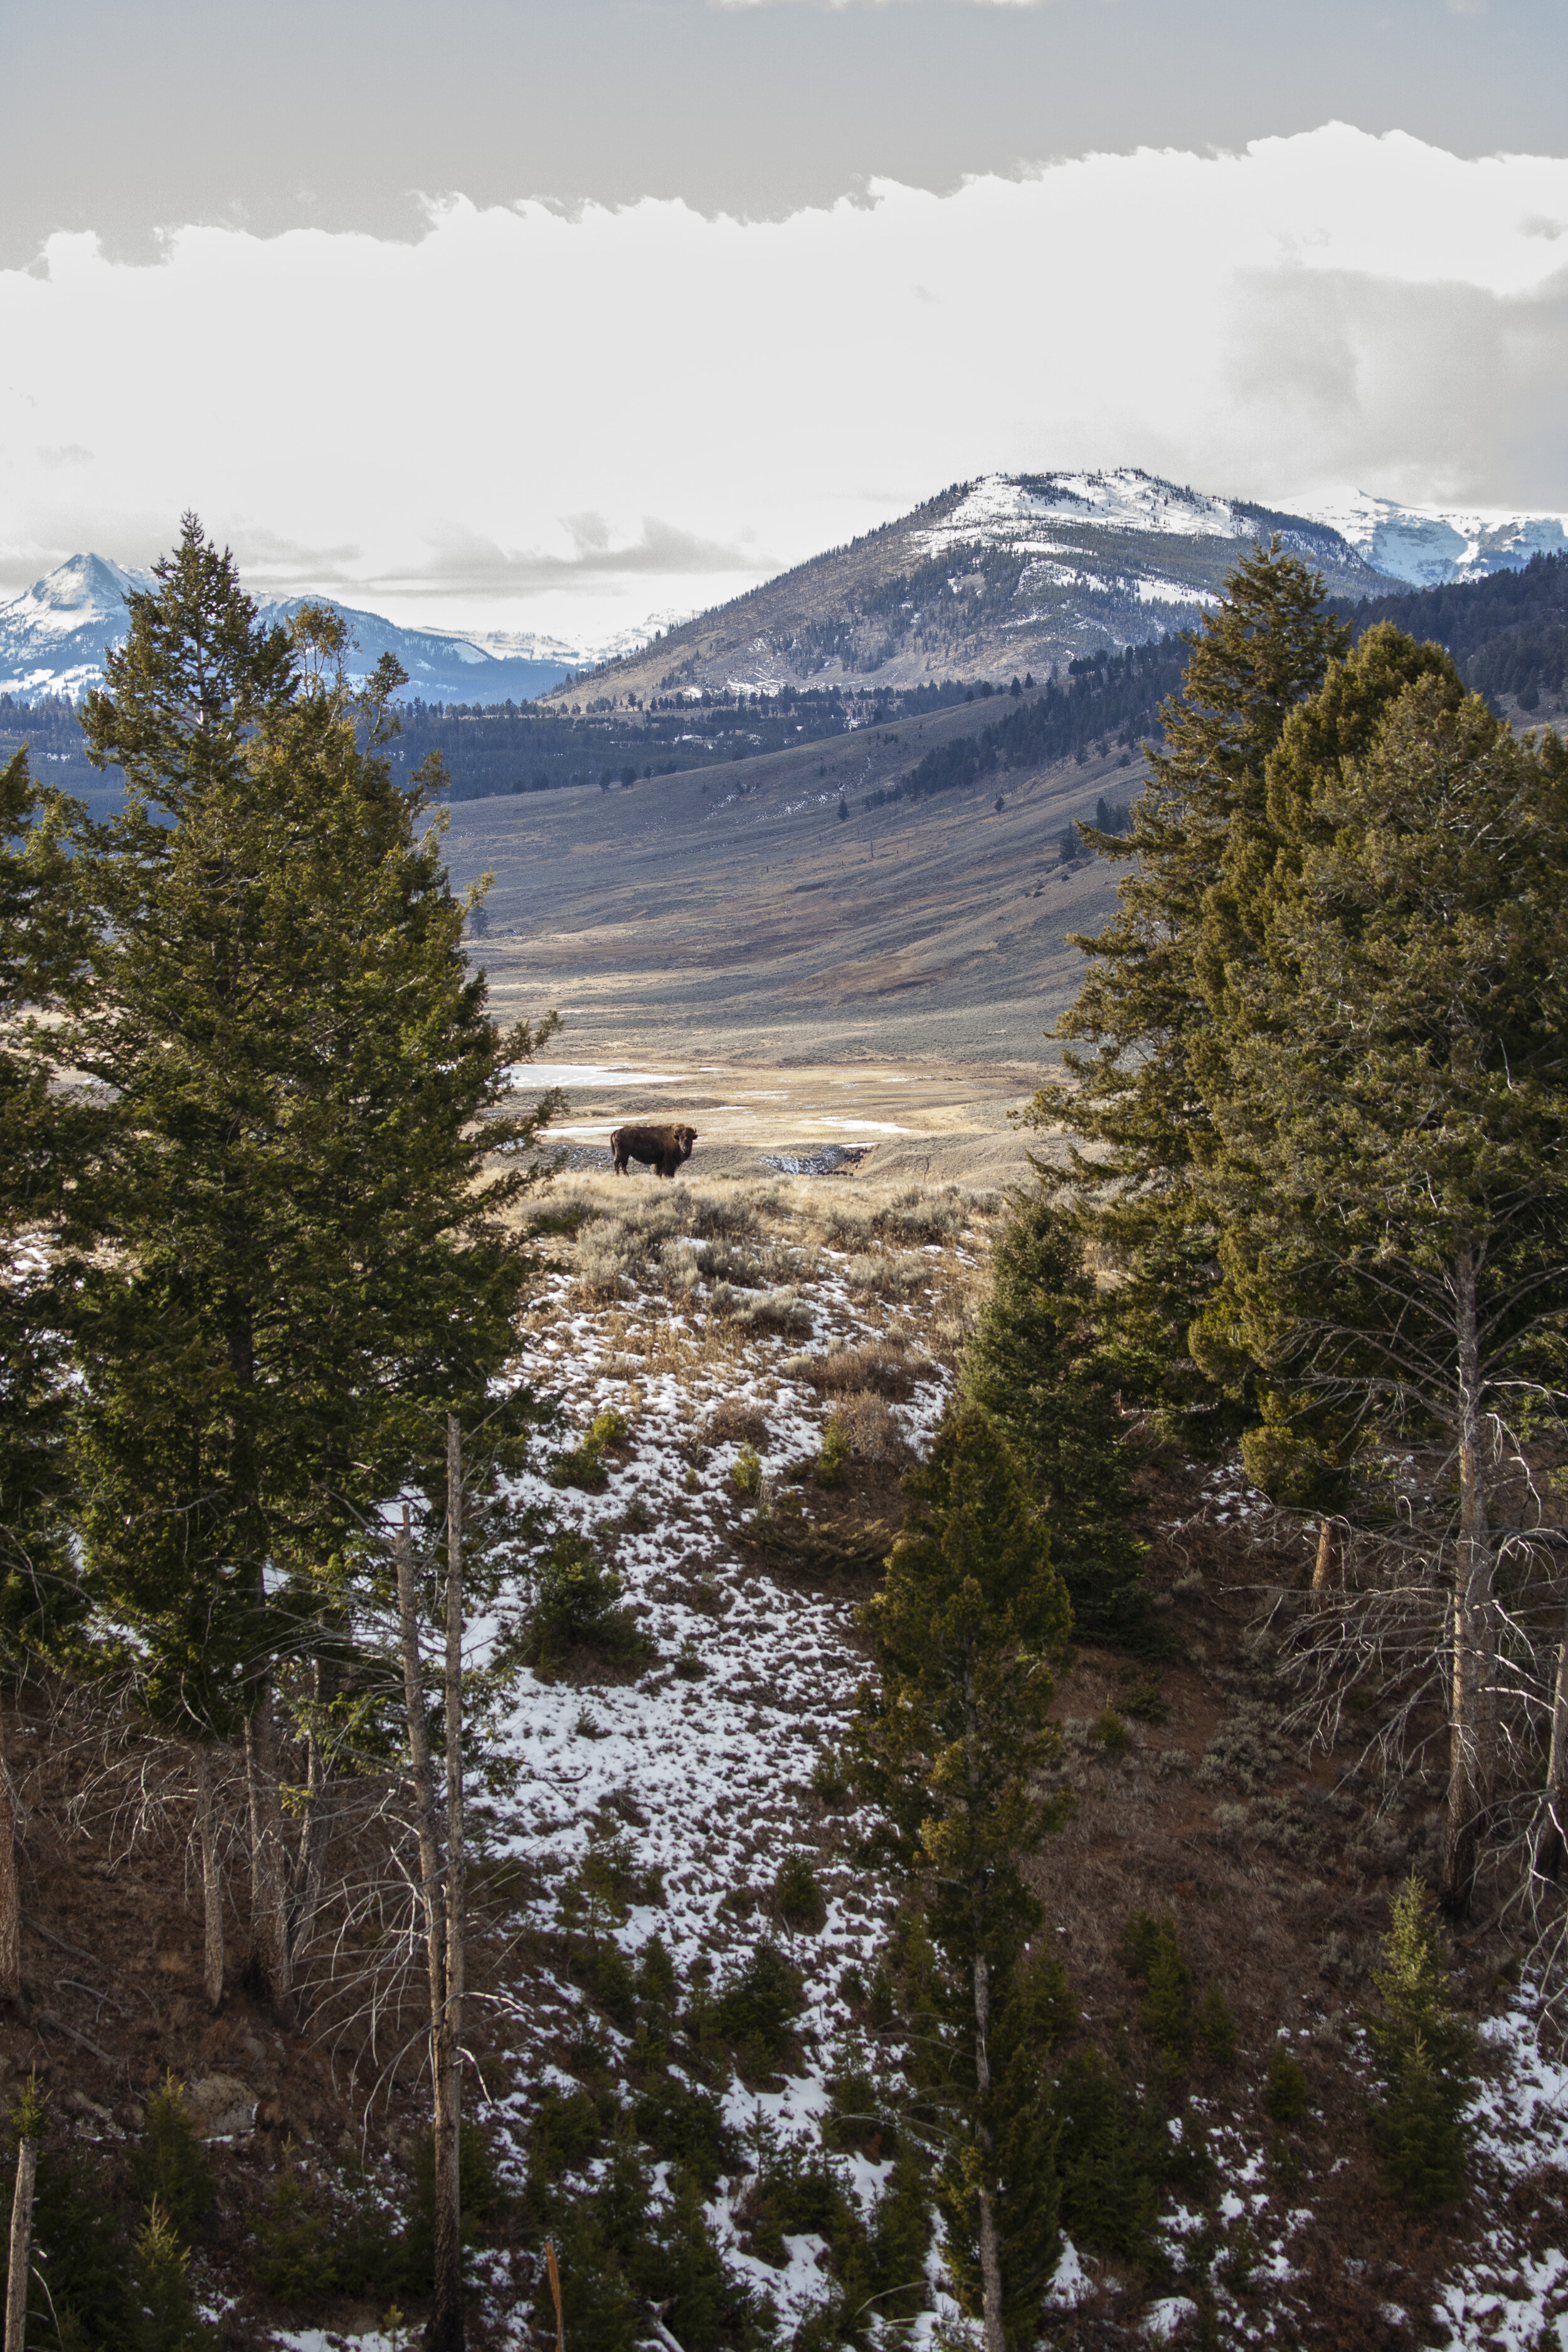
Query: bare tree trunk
(10, 1898)
(447, 2312)
(1471, 1743)
(321, 1803)
(1553, 1832)
(268, 1906)
(990, 2237)
(1323, 1566)
(21, 2263)
(212, 1882)
(446, 2323)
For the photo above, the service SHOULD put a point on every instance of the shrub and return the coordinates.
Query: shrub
(1110, 2158)
(169, 2163)
(167, 2320)
(1215, 2026)
(683, 2125)
(747, 1472)
(833, 1458)
(868, 1423)
(1110, 1731)
(577, 1602)
(583, 1465)
(1152, 1956)
(1284, 2088)
(756, 2009)
(564, 2132)
(1425, 2054)
(297, 2258)
(798, 1898)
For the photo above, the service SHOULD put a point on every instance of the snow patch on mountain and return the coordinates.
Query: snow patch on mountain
(1429, 546)
(53, 638)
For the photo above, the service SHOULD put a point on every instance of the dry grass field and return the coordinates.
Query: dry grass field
(744, 922)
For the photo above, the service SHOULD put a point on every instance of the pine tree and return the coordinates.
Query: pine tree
(1138, 1018)
(309, 1263)
(949, 1745)
(1392, 1110)
(1425, 2055)
(1036, 1365)
(46, 1139)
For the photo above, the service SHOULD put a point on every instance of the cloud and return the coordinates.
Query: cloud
(561, 422)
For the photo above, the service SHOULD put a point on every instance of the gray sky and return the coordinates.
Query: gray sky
(128, 116)
(547, 315)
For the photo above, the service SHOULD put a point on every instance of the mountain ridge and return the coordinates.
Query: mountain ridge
(1009, 573)
(53, 637)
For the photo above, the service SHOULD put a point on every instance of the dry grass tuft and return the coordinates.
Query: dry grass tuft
(874, 1434)
(880, 1365)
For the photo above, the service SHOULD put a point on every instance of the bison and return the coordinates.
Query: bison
(659, 1148)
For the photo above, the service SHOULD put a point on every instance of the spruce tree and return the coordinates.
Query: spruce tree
(1393, 1176)
(1036, 1364)
(949, 1745)
(1138, 1018)
(45, 1143)
(310, 1257)
(1425, 2057)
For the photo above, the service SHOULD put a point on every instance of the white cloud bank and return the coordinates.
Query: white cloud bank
(530, 419)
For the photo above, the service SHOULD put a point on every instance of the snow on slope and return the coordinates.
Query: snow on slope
(53, 636)
(1429, 546)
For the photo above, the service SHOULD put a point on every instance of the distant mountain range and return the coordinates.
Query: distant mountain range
(1009, 573)
(52, 639)
(1016, 573)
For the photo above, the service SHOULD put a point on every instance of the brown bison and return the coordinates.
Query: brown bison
(659, 1148)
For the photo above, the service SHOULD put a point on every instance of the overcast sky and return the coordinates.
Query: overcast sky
(510, 314)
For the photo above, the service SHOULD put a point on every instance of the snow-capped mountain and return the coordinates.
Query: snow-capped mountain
(1429, 546)
(52, 640)
(52, 636)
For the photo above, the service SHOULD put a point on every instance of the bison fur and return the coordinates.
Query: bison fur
(659, 1148)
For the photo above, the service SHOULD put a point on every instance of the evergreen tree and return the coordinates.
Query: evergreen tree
(45, 1142)
(1426, 2056)
(950, 1744)
(1393, 1111)
(310, 1261)
(1036, 1365)
(1140, 1015)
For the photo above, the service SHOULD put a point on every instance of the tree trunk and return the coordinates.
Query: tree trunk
(446, 2323)
(212, 1883)
(321, 1803)
(21, 2263)
(1323, 1566)
(448, 2310)
(989, 2235)
(268, 1906)
(1550, 1840)
(10, 1898)
(1470, 1738)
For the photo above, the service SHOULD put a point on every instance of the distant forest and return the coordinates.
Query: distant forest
(1509, 634)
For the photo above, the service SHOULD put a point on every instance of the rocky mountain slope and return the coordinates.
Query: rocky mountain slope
(1017, 572)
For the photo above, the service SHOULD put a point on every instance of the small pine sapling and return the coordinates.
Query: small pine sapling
(746, 1476)
(1426, 2054)
(296, 2261)
(833, 1460)
(797, 1894)
(169, 2166)
(1284, 2089)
